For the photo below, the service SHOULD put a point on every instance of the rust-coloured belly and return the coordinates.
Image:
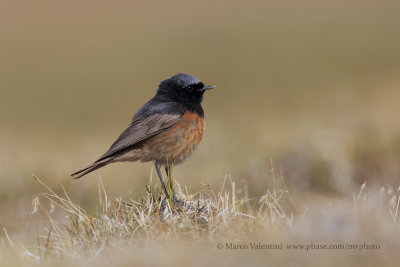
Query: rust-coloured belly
(172, 145)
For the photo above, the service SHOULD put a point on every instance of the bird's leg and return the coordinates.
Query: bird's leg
(161, 180)
(168, 171)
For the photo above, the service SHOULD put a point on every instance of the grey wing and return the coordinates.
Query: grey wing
(141, 129)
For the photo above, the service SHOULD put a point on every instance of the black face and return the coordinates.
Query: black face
(183, 88)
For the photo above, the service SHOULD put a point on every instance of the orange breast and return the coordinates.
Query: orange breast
(172, 145)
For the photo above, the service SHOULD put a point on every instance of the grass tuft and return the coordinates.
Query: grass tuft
(203, 214)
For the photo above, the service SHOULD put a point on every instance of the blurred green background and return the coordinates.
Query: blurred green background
(312, 86)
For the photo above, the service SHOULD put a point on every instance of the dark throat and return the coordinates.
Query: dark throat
(184, 105)
(195, 108)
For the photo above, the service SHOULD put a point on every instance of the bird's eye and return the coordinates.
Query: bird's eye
(190, 88)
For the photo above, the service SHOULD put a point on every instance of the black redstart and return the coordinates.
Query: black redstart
(166, 130)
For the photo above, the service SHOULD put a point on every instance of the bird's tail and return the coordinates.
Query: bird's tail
(92, 167)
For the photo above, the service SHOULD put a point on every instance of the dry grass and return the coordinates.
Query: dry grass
(206, 214)
(126, 230)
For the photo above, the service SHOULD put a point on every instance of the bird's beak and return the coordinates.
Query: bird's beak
(208, 87)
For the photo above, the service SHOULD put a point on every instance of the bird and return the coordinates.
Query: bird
(165, 131)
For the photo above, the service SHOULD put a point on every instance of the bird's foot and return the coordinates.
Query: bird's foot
(176, 201)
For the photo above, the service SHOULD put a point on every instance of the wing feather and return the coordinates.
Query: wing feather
(141, 129)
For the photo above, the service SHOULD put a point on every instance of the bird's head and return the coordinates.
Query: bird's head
(184, 88)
